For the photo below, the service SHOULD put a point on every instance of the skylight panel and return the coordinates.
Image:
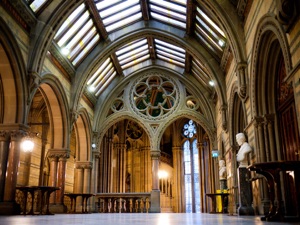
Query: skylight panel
(134, 62)
(36, 4)
(170, 12)
(133, 53)
(87, 47)
(117, 14)
(170, 53)
(210, 21)
(78, 35)
(172, 61)
(102, 77)
(174, 47)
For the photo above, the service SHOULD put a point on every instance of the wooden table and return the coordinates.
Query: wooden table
(271, 171)
(73, 197)
(213, 197)
(44, 198)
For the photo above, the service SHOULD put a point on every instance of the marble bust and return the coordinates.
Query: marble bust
(245, 148)
(222, 170)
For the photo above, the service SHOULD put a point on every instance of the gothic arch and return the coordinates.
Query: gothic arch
(82, 129)
(269, 33)
(57, 105)
(238, 119)
(12, 75)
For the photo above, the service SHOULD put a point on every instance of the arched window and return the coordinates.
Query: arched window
(191, 169)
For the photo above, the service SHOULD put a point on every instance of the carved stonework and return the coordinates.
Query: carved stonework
(223, 110)
(4, 135)
(84, 165)
(59, 154)
(241, 73)
(287, 12)
(155, 155)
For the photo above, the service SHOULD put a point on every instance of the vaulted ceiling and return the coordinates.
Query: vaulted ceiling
(98, 41)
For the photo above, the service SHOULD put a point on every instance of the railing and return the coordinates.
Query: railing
(123, 202)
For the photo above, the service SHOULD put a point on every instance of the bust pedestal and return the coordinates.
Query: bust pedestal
(245, 195)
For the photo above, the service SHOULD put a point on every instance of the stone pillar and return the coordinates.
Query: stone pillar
(58, 159)
(94, 178)
(12, 166)
(261, 157)
(9, 206)
(155, 194)
(87, 177)
(178, 177)
(52, 176)
(245, 193)
(4, 143)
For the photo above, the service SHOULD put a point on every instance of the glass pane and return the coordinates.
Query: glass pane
(37, 4)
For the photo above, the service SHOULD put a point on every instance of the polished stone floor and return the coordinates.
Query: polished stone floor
(134, 219)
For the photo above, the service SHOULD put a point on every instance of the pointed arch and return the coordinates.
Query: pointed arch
(57, 106)
(12, 75)
(83, 132)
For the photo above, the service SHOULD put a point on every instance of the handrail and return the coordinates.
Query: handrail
(124, 202)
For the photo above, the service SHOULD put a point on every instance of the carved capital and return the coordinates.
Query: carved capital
(4, 135)
(241, 74)
(61, 154)
(155, 154)
(223, 111)
(84, 165)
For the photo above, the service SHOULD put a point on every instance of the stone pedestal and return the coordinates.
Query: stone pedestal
(245, 193)
(223, 184)
(155, 201)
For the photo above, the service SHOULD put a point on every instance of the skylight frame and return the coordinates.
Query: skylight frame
(209, 33)
(169, 12)
(78, 35)
(102, 77)
(170, 53)
(133, 53)
(117, 14)
(37, 5)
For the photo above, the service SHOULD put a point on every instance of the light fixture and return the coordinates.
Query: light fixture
(221, 43)
(211, 83)
(91, 88)
(65, 51)
(162, 174)
(93, 145)
(27, 144)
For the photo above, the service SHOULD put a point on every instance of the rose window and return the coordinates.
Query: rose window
(154, 97)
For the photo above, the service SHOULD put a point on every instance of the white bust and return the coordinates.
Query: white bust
(245, 148)
(222, 170)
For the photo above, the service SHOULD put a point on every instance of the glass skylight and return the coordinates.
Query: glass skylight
(77, 35)
(170, 53)
(199, 71)
(35, 5)
(102, 77)
(209, 33)
(133, 53)
(170, 12)
(117, 14)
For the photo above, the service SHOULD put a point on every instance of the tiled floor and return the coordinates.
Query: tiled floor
(134, 219)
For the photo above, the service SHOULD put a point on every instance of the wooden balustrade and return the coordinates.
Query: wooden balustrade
(123, 202)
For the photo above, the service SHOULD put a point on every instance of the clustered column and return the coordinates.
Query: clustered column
(58, 159)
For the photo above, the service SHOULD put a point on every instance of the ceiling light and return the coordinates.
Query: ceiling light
(65, 51)
(211, 83)
(91, 88)
(221, 43)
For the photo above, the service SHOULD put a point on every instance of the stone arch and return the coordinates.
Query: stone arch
(82, 129)
(12, 75)
(57, 105)
(269, 32)
(238, 120)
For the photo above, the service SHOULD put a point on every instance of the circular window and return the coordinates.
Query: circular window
(154, 96)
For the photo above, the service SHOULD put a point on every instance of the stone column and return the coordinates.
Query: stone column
(9, 206)
(4, 143)
(155, 194)
(52, 176)
(58, 158)
(95, 175)
(260, 153)
(178, 176)
(12, 166)
(87, 177)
